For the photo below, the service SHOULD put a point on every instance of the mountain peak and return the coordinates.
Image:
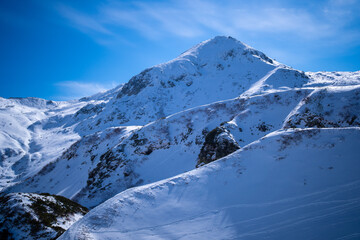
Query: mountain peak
(221, 47)
(209, 57)
(216, 43)
(226, 40)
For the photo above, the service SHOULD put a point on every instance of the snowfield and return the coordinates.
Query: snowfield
(294, 184)
(222, 142)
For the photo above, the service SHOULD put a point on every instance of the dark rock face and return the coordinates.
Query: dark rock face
(136, 84)
(36, 216)
(90, 109)
(218, 143)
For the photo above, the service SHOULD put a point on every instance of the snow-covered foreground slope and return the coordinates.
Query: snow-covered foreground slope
(294, 184)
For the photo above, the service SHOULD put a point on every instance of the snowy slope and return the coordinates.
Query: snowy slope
(24, 146)
(69, 173)
(35, 132)
(328, 107)
(333, 78)
(295, 184)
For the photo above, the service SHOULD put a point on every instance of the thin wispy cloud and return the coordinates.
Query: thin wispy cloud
(68, 90)
(195, 18)
(82, 21)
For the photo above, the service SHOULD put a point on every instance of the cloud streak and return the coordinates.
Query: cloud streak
(188, 19)
(82, 21)
(74, 89)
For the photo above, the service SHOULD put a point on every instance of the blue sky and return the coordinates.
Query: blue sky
(63, 50)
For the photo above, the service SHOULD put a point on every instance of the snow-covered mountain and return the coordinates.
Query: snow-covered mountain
(222, 115)
(215, 70)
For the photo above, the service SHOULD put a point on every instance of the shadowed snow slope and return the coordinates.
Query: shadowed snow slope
(295, 184)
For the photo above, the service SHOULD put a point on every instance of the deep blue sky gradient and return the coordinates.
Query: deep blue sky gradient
(67, 49)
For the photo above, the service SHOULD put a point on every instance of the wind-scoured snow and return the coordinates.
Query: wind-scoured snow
(294, 184)
(333, 78)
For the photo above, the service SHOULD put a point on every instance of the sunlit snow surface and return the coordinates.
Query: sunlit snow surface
(296, 184)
